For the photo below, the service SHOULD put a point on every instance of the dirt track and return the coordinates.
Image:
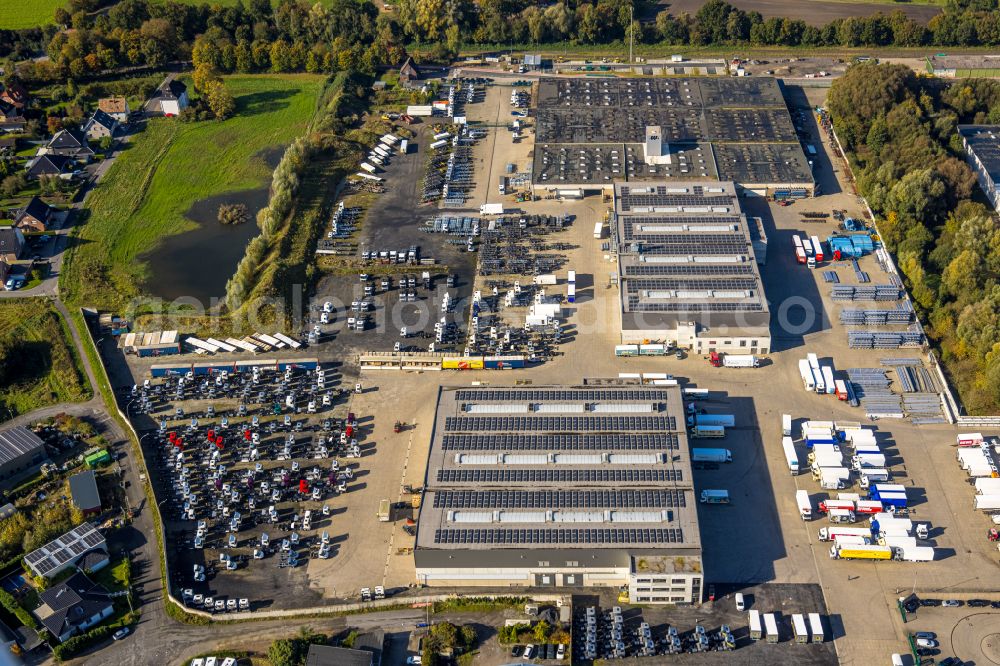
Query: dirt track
(813, 12)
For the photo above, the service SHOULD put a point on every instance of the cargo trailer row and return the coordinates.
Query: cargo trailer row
(209, 368)
(805, 627)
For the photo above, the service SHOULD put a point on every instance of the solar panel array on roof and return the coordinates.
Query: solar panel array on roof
(64, 549)
(510, 476)
(560, 442)
(635, 304)
(637, 284)
(558, 423)
(653, 270)
(558, 499)
(574, 395)
(557, 536)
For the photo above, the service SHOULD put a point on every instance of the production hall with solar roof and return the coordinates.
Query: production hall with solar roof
(553, 486)
(593, 132)
(688, 271)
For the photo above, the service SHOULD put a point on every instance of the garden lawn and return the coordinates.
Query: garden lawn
(15, 15)
(38, 364)
(170, 166)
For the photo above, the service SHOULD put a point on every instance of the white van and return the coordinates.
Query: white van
(897, 660)
(740, 603)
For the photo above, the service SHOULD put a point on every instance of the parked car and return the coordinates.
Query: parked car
(927, 652)
(925, 634)
(120, 634)
(930, 602)
(952, 603)
(529, 652)
(927, 643)
(516, 651)
(415, 659)
(978, 603)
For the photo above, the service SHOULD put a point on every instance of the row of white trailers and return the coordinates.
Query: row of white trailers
(258, 342)
(379, 155)
(765, 625)
(819, 378)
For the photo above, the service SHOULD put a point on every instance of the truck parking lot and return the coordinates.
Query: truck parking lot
(781, 559)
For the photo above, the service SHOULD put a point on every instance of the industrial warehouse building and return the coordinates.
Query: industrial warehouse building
(22, 453)
(687, 268)
(982, 152)
(552, 486)
(591, 133)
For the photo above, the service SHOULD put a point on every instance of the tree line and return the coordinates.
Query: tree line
(901, 133)
(343, 35)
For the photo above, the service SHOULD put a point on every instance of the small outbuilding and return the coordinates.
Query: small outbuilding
(84, 492)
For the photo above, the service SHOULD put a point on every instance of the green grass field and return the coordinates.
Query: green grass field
(27, 13)
(38, 365)
(169, 167)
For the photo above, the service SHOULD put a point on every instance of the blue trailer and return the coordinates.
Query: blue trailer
(893, 501)
(879, 489)
(298, 363)
(163, 349)
(169, 369)
(503, 362)
(811, 441)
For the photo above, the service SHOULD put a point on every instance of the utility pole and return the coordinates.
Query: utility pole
(631, 32)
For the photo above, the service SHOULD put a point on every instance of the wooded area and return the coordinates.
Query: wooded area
(900, 131)
(340, 35)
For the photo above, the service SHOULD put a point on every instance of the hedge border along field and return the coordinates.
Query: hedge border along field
(35, 327)
(167, 168)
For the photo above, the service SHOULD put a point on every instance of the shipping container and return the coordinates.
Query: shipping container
(816, 628)
(753, 620)
(791, 457)
(653, 350)
(462, 363)
(817, 248)
(771, 626)
(503, 362)
(840, 388)
(804, 504)
(828, 379)
(799, 627)
(598, 229)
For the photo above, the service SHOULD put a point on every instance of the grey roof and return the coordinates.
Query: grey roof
(984, 142)
(66, 138)
(686, 254)
(11, 242)
(73, 602)
(171, 89)
(706, 121)
(18, 442)
(554, 467)
(83, 488)
(42, 165)
(326, 655)
(66, 549)
(103, 119)
(36, 208)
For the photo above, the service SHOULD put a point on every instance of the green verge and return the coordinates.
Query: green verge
(169, 167)
(40, 364)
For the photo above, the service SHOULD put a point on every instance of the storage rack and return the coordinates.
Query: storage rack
(871, 292)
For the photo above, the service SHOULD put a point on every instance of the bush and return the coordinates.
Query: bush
(233, 213)
(8, 601)
(77, 644)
